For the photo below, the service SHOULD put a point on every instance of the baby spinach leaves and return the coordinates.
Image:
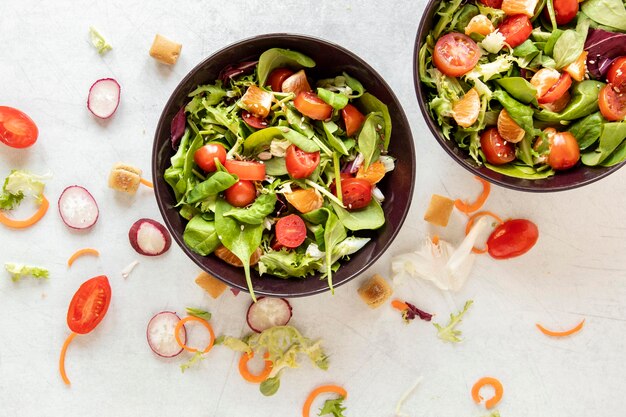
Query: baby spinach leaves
(278, 58)
(200, 236)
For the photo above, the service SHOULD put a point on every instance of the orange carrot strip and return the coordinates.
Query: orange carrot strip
(435, 240)
(146, 183)
(82, 252)
(552, 333)
(22, 224)
(306, 408)
(399, 305)
(470, 223)
(202, 322)
(250, 377)
(497, 385)
(476, 205)
(62, 358)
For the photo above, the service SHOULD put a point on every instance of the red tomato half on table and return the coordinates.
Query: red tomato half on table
(455, 54)
(17, 130)
(512, 238)
(89, 305)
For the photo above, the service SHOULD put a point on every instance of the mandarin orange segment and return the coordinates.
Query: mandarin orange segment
(374, 173)
(257, 101)
(479, 24)
(305, 200)
(578, 68)
(544, 79)
(508, 128)
(465, 111)
(513, 7)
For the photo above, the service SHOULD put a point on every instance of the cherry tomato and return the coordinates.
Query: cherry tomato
(352, 118)
(205, 156)
(356, 193)
(564, 151)
(496, 149)
(309, 104)
(557, 90)
(512, 238)
(455, 54)
(515, 29)
(495, 4)
(254, 121)
(342, 176)
(246, 170)
(17, 129)
(241, 193)
(565, 11)
(301, 164)
(276, 78)
(612, 104)
(617, 74)
(89, 305)
(290, 231)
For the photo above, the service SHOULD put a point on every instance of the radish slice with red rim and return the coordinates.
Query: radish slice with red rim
(149, 237)
(78, 208)
(160, 334)
(268, 312)
(104, 98)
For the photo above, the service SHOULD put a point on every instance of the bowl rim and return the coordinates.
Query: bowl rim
(436, 131)
(277, 36)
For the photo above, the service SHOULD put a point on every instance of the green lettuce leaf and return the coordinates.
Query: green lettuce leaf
(19, 271)
(333, 408)
(20, 184)
(98, 41)
(449, 332)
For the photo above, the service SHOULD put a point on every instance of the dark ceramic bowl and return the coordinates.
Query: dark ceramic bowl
(331, 60)
(576, 177)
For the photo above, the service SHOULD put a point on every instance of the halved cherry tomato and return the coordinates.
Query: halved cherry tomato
(496, 150)
(246, 170)
(301, 164)
(254, 121)
(564, 151)
(17, 129)
(617, 74)
(290, 231)
(565, 11)
(205, 156)
(241, 193)
(276, 78)
(612, 104)
(512, 238)
(455, 54)
(356, 193)
(352, 118)
(515, 29)
(557, 90)
(89, 305)
(309, 104)
(495, 4)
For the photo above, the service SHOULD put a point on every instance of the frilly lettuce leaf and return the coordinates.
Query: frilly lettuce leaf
(19, 271)
(449, 332)
(98, 41)
(20, 184)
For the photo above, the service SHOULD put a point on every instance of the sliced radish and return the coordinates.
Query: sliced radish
(78, 208)
(149, 237)
(160, 334)
(104, 97)
(268, 312)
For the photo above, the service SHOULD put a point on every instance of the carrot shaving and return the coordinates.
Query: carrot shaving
(306, 408)
(497, 385)
(250, 377)
(399, 305)
(205, 323)
(470, 223)
(22, 224)
(435, 240)
(553, 333)
(480, 201)
(146, 183)
(62, 357)
(82, 252)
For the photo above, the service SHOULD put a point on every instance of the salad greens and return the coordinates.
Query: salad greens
(19, 271)
(18, 185)
(449, 333)
(333, 407)
(98, 41)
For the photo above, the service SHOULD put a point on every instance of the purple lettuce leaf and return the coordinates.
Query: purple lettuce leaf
(235, 70)
(177, 128)
(603, 47)
(414, 312)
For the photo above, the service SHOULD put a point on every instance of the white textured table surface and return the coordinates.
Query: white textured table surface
(577, 269)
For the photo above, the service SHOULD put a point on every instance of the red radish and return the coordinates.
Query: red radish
(268, 312)
(149, 237)
(78, 208)
(160, 334)
(104, 97)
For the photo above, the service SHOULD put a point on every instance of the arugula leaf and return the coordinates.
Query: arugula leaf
(262, 207)
(277, 58)
(337, 101)
(449, 333)
(196, 312)
(333, 407)
(19, 271)
(368, 139)
(200, 236)
(371, 104)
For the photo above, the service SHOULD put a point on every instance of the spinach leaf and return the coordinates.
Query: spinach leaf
(336, 100)
(270, 386)
(368, 218)
(571, 44)
(551, 42)
(276, 167)
(276, 58)
(523, 116)
(297, 123)
(519, 171)
(369, 138)
(188, 178)
(200, 236)
(262, 207)
(371, 104)
(519, 89)
(587, 130)
(606, 12)
(261, 140)
(584, 101)
(613, 134)
(215, 184)
(618, 156)
(355, 86)
(288, 264)
(337, 144)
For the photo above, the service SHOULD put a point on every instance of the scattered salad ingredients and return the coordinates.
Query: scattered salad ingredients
(147, 183)
(466, 207)
(98, 41)
(213, 286)
(19, 271)
(125, 178)
(81, 252)
(405, 396)
(164, 50)
(439, 210)
(196, 312)
(87, 309)
(264, 165)
(22, 224)
(470, 224)
(78, 208)
(18, 185)
(525, 87)
(512, 238)
(409, 311)
(449, 333)
(181, 343)
(129, 268)
(104, 98)
(250, 377)
(334, 407)
(553, 333)
(268, 312)
(160, 334)
(17, 130)
(493, 382)
(149, 237)
(375, 291)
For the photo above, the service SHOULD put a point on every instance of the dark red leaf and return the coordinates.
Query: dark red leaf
(177, 128)
(413, 312)
(234, 70)
(603, 47)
